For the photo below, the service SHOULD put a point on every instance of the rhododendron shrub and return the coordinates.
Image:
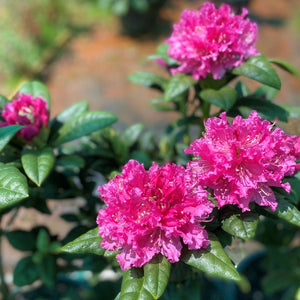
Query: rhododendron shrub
(31, 112)
(211, 41)
(241, 161)
(152, 212)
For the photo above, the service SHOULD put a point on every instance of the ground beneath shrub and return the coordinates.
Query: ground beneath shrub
(96, 66)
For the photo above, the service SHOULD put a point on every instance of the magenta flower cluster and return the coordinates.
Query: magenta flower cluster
(211, 41)
(28, 111)
(241, 161)
(157, 211)
(151, 212)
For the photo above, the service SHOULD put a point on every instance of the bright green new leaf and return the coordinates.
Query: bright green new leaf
(36, 89)
(148, 79)
(13, 186)
(178, 84)
(258, 68)
(133, 286)
(7, 133)
(224, 98)
(131, 134)
(212, 261)
(38, 164)
(86, 243)
(242, 226)
(156, 274)
(82, 125)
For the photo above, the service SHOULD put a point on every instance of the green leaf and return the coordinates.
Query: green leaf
(131, 134)
(162, 53)
(36, 89)
(293, 111)
(178, 84)
(43, 241)
(224, 98)
(84, 124)
(86, 243)
(242, 89)
(265, 93)
(265, 108)
(286, 211)
(3, 101)
(7, 133)
(133, 286)
(47, 270)
(148, 79)
(21, 240)
(13, 186)
(258, 68)
(242, 226)
(156, 274)
(25, 272)
(212, 261)
(71, 161)
(38, 164)
(285, 66)
(161, 105)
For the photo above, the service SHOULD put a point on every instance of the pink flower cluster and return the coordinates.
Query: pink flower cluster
(151, 212)
(211, 41)
(241, 161)
(28, 111)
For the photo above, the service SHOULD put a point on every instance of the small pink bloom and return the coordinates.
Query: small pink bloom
(212, 41)
(241, 161)
(151, 212)
(30, 112)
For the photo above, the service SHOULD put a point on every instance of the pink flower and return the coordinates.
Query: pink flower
(211, 41)
(151, 212)
(241, 161)
(28, 111)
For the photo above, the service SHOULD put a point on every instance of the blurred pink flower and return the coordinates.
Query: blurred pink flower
(28, 111)
(241, 161)
(151, 212)
(211, 41)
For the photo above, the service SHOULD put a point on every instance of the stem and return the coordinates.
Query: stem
(3, 286)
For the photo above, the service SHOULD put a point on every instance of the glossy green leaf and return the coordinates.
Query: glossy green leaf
(36, 89)
(131, 134)
(22, 240)
(13, 186)
(38, 164)
(258, 68)
(87, 243)
(212, 261)
(265, 108)
(242, 226)
(25, 272)
(285, 66)
(7, 133)
(286, 211)
(148, 79)
(178, 84)
(84, 124)
(133, 286)
(156, 274)
(224, 98)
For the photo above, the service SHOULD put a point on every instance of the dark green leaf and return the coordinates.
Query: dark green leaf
(212, 261)
(21, 240)
(242, 226)
(285, 66)
(86, 243)
(36, 89)
(71, 161)
(242, 89)
(224, 98)
(178, 84)
(47, 270)
(43, 241)
(7, 133)
(133, 286)
(13, 186)
(84, 124)
(38, 164)
(131, 134)
(148, 79)
(156, 274)
(258, 68)
(25, 272)
(293, 111)
(286, 211)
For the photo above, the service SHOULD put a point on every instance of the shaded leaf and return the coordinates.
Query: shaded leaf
(38, 164)
(25, 272)
(131, 134)
(258, 68)
(7, 133)
(161, 105)
(22, 240)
